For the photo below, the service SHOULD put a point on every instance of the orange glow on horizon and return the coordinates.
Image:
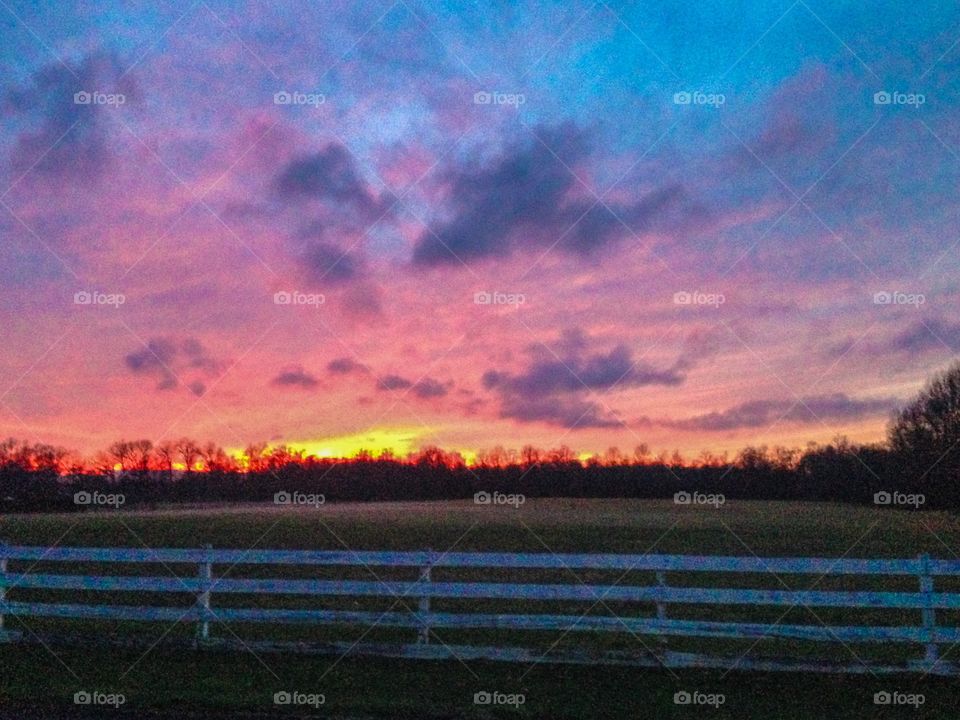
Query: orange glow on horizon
(399, 441)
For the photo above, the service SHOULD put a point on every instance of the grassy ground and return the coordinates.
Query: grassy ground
(179, 680)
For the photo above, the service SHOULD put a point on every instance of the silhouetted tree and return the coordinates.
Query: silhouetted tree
(189, 453)
(641, 454)
(254, 456)
(925, 436)
(165, 453)
(530, 456)
(121, 453)
(140, 451)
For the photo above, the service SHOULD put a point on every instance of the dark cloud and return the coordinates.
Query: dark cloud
(325, 262)
(196, 356)
(393, 382)
(525, 197)
(328, 175)
(170, 361)
(565, 412)
(425, 388)
(155, 359)
(554, 388)
(429, 388)
(295, 376)
(344, 365)
(339, 204)
(588, 372)
(65, 138)
(764, 413)
(927, 335)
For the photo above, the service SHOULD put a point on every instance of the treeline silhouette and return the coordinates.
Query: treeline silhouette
(34, 477)
(918, 467)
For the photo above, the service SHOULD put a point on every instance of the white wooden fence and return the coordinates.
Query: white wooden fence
(927, 635)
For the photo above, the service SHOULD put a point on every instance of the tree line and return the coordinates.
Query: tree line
(920, 460)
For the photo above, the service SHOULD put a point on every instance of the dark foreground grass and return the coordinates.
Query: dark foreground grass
(213, 684)
(558, 525)
(42, 680)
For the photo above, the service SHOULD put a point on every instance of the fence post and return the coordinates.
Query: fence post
(424, 637)
(3, 581)
(205, 575)
(928, 613)
(661, 607)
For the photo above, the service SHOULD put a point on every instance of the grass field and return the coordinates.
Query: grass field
(175, 680)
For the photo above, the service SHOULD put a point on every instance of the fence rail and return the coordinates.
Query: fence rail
(690, 563)
(19, 574)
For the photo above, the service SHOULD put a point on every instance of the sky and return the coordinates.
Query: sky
(697, 226)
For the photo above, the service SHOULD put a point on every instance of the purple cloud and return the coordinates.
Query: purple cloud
(170, 361)
(295, 376)
(329, 175)
(764, 413)
(68, 132)
(525, 196)
(429, 388)
(425, 388)
(926, 335)
(552, 388)
(344, 365)
(393, 382)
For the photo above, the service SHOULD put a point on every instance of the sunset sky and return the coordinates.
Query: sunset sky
(698, 225)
